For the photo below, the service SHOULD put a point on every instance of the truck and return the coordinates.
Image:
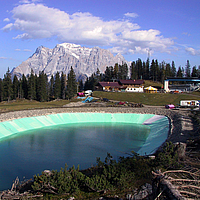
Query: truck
(189, 103)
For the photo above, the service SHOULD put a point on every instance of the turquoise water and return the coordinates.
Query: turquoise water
(30, 152)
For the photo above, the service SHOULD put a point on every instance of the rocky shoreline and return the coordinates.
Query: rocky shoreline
(181, 122)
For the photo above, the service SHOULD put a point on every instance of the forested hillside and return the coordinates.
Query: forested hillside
(65, 86)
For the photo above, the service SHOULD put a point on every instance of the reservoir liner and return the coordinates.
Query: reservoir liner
(158, 124)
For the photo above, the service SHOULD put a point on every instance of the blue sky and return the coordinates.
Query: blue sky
(168, 29)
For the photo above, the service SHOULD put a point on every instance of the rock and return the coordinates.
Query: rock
(180, 149)
(146, 190)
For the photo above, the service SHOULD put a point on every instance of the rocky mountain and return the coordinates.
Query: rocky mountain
(84, 61)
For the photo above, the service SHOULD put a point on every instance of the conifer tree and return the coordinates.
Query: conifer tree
(198, 72)
(1, 90)
(32, 86)
(156, 70)
(173, 69)
(123, 71)
(115, 71)
(42, 86)
(187, 69)
(168, 71)
(25, 86)
(7, 85)
(15, 87)
(147, 70)
(81, 86)
(51, 91)
(179, 72)
(133, 71)
(71, 84)
(138, 67)
(63, 85)
(20, 91)
(152, 70)
(57, 86)
(108, 74)
(162, 72)
(194, 72)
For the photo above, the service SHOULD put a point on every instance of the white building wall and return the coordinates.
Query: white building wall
(166, 86)
(132, 89)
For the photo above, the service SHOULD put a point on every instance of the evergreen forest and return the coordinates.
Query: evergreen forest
(62, 86)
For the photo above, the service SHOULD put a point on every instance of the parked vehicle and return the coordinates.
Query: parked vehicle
(88, 93)
(170, 106)
(189, 103)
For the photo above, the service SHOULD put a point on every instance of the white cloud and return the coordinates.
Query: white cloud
(36, 21)
(186, 33)
(26, 50)
(133, 15)
(3, 58)
(6, 20)
(28, 1)
(24, 1)
(193, 51)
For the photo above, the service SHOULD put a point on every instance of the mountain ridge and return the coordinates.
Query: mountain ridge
(84, 60)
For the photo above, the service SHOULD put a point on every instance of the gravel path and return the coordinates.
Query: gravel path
(181, 123)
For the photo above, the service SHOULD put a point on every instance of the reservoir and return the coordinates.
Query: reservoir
(45, 142)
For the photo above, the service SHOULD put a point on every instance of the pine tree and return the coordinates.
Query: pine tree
(152, 70)
(156, 70)
(7, 85)
(1, 90)
(123, 71)
(162, 72)
(63, 86)
(108, 74)
(42, 86)
(115, 71)
(173, 69)
(194, 72)
(168, 71)
(20, 91)
(198, 71)
(147, 70)
(51, 91)
(187, 69)
(179, 72)
(31, 86)
(24, 86)
(57, 86)
(133, 71)
(15, 87)
(71, 84)
(81, 86)
(139, 70)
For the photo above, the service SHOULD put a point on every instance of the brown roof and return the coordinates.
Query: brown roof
(131, 82)
(111, 84)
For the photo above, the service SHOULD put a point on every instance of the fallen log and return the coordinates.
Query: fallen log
(160, 183)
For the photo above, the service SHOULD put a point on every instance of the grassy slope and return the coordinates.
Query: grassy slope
(26, 104)
(159, 99)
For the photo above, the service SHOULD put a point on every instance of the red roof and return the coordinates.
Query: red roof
(131, 82)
